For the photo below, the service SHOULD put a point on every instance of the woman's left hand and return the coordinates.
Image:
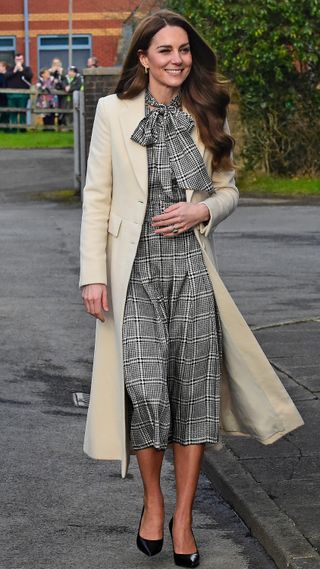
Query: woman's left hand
(180, 217)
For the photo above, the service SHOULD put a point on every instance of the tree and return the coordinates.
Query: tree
(270, 50)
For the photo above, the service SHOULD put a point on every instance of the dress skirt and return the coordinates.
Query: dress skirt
(172, 344)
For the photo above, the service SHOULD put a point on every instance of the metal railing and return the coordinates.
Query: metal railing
(33, 112)
(79, 139)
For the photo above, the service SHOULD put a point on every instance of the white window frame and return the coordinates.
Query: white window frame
(7, 48)
(60, 45)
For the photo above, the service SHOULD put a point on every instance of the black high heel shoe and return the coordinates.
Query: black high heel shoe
(185, 559)
(149, 547)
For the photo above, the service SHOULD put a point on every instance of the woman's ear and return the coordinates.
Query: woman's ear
(143, 58)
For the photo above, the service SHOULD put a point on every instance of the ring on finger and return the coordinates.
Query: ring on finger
(174, 229)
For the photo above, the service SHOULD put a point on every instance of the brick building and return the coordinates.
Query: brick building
(97, 27)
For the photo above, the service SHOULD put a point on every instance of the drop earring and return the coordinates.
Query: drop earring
(146, 70)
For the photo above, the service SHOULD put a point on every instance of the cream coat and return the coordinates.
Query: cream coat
(253, 400)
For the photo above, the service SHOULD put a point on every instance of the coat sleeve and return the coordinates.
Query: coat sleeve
(9, 73)
(96, 202)
(225, 199)
(76, 84)
(28, 73)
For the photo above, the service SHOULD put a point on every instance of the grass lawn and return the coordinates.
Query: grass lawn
(271, 186)
(36, 139)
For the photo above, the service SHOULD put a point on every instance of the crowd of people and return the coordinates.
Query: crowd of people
(51, 79)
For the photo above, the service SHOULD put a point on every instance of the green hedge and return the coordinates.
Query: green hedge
(270, 50)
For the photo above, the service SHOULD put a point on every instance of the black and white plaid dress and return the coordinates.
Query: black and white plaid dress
(171, 331)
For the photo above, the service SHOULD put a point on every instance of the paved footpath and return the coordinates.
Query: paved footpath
(269, 257)
(60, 509)
(34, 170)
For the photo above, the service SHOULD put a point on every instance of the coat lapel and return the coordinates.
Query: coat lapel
(130, 117)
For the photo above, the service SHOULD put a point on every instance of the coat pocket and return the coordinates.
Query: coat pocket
(114, 224)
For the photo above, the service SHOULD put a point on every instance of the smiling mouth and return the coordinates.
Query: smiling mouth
(174, 71)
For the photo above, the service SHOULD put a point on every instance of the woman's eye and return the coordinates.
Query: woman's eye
(185, 50)
(164, 50)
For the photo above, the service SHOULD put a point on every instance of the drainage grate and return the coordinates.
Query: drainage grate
(80, 399)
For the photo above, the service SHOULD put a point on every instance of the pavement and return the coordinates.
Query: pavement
(269, 259)
(60, 509)
(31, 171)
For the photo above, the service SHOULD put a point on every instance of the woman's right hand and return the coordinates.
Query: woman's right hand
(95, 300)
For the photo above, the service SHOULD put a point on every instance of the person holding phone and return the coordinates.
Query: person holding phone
(18, 77)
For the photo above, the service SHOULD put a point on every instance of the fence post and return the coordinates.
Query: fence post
(33, 101)
(82, 143)
(76, 140)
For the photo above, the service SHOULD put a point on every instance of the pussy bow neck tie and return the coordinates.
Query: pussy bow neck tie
(168, 129)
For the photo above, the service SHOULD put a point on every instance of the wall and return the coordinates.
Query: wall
(104, 19)
(97, 83)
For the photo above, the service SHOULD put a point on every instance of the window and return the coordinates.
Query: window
(7, 48)
(53, 46)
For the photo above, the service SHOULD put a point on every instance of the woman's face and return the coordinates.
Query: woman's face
(168, 58)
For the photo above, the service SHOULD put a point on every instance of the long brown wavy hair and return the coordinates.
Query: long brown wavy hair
(203, 94)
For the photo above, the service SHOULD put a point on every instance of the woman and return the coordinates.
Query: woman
(59, 77)
(159, 180)
(57, 73)
(45, 99)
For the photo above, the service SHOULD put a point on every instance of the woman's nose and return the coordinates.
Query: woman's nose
(176, 58)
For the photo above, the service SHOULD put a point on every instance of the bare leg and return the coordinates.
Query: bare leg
(187, 463)
(150, 462)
